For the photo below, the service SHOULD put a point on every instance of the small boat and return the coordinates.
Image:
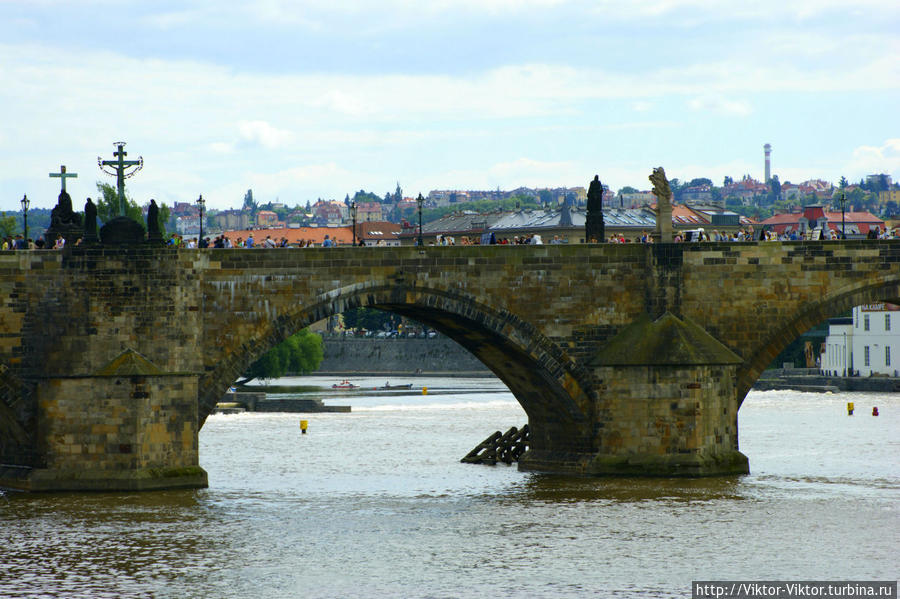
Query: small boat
(389, 387)
(344, 385)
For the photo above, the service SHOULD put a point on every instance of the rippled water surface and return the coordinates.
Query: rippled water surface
(375, 503)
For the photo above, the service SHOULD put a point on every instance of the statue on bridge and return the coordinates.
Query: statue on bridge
(594, 227)
(90, 222)
(663, 194)
(154, 234)
(64, 221)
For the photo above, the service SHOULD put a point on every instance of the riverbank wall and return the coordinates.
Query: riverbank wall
(256, 401)
(810, 379)
(376, 357)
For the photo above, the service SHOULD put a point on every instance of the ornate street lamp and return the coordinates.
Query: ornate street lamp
(200, 202)
(25, 204)
(353, 215)
(419, 201)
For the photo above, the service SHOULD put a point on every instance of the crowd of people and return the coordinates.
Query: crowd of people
(18, 242)
(741, 235)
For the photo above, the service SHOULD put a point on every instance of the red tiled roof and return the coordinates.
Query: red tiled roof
(863, 221)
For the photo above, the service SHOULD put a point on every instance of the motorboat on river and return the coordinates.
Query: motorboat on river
(344, 385)
(389, 387)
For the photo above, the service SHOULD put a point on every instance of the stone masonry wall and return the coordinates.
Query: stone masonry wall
(535, 314)
(406, 356)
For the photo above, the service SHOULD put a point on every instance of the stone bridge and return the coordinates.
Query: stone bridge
(628, 359)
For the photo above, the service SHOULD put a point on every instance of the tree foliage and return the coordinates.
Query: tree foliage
(300, 353)
(249, 203)
(366, 196)
(108, 205)
(370, 319)
(8, 225)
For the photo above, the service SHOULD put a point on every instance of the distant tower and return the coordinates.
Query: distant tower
(768, 149)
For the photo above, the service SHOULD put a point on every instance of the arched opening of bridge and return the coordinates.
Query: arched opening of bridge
(832, 362)
(810, 415)
(827, 340)
(534, 370)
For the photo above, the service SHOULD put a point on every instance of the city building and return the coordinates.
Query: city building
(329, 213)
(368, 212)
(640, 199)
(697, 194)
(568, 224)
(890, 195)
(816, 216)
(267, 218)
(866, 344)
(378, 233)
(746, 189)
(231, 219)
(875, 181)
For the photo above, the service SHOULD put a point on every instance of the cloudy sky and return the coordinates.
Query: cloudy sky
(299, 99)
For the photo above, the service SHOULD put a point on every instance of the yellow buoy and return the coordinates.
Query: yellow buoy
(849, 408)
(303, 425)
(424, 390)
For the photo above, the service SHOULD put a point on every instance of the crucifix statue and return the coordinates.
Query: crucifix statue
(119, 165)
(62, 175)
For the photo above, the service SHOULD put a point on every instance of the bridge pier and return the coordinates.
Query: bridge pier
(668, 403)
(127, 428)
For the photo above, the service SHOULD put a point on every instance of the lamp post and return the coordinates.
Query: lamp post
(353, 215)
(25, 204)
(842, 201)
(201, 202)
(419, 201)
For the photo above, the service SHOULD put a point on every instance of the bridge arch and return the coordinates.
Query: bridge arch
(550, 386)
(810, 314)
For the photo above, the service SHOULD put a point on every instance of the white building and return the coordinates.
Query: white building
(866, 344)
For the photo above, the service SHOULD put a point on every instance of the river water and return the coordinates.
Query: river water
(375, 503)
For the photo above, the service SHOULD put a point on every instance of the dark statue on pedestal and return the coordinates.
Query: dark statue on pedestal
(594, 227)
(154, 234)
(64, 221)
(90, 223)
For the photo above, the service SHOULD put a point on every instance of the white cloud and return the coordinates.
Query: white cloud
(870, 160)
(264, 134)
(461, 121)
(720, 105)
(641, 106)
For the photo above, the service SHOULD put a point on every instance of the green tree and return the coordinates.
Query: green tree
(249, 203)
(8, 225)
(546, 197)
(365, 196)
(367, 318)
(774, 189)
(108, 205)
(300, 353)
(727, 181)
(628, 189)
(843, 183)
(699, 181)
